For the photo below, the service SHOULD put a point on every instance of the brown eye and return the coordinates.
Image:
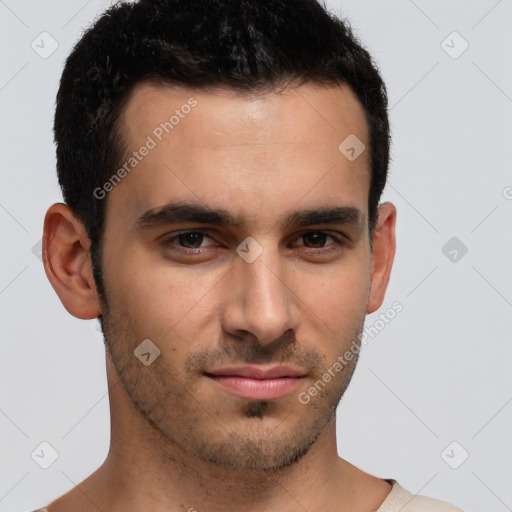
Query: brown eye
(316, 239)
(194, 238)
(189, 242)
(321, 243)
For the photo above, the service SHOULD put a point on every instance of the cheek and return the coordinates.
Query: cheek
(338, 299)
(163, 302)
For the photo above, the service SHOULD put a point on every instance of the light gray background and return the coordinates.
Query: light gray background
(439, 372)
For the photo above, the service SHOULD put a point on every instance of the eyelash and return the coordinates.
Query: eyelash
(339, 242)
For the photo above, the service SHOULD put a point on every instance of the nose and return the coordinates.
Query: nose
(260, 302)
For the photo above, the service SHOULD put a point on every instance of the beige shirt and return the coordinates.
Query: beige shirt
(398, 500)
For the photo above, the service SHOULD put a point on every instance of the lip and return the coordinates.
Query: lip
(259, 372)
(257, 383)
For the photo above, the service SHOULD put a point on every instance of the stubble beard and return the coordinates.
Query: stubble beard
(185, 427)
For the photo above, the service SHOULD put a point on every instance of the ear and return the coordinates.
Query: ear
(67, 262)
(383, 254)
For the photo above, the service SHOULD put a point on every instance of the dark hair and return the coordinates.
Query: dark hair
(246, 45)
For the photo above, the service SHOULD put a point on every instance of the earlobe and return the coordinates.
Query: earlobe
(383, 253)
(67, 262)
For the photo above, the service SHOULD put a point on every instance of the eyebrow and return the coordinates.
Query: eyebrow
(180, 212)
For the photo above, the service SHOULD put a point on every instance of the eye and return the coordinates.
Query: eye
(315, 241)
(188, 241)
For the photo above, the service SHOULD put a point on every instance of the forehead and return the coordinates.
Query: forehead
(319, 108)
(242, 151)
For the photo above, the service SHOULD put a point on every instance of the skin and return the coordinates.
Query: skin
(178, 441)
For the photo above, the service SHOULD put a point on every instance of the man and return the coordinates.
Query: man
(222, 163)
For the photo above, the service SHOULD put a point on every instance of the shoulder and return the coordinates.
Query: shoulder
(425, 504)
(399, 499)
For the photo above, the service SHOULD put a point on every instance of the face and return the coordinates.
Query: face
(238, 238)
